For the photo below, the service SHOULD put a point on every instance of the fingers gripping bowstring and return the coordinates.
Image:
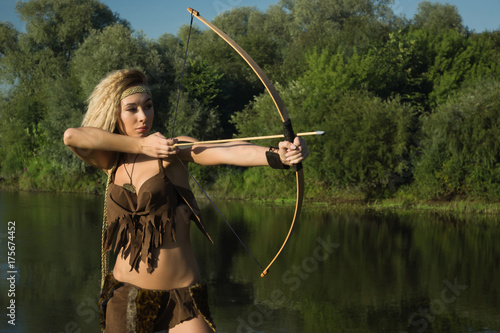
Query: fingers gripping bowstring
(185, 167)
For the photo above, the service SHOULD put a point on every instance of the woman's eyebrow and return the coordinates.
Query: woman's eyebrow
(132, 103)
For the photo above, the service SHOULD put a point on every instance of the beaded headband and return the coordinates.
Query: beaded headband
(135, 90)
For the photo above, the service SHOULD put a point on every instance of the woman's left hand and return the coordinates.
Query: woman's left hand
(293, 153)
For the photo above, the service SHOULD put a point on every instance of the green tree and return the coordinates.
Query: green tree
(17, 143)
(61, 25)
(104, 51)
(438, 17)
(368, 145)
(461, 145)
(351, 68)
(399, 67)
(350, 26)
(41, 100)
(193, 118)
(8, 45)
(457, 58)
(203, 82)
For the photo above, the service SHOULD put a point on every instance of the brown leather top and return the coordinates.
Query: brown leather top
(143, 227)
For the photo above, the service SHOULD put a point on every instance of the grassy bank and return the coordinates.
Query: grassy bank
(251, 187)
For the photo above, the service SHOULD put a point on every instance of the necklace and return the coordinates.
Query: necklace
(128, 186)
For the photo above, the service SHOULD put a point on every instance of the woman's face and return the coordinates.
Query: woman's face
(136, 115)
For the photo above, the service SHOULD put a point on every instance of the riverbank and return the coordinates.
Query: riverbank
(347, 202)
(461, 206)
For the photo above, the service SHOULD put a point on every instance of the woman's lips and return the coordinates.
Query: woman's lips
(142, 129)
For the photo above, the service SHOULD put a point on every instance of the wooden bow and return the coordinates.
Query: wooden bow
(287, 125)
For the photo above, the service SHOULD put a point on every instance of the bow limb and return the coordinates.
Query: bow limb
(287, 125)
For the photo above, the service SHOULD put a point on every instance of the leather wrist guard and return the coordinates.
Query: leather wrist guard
(274, 160)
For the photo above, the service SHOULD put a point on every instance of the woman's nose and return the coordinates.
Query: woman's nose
(141, 114)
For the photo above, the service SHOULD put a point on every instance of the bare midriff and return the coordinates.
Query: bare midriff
(176, 265)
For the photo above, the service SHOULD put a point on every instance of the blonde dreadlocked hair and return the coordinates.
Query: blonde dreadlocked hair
(104, 253)
(104, 102)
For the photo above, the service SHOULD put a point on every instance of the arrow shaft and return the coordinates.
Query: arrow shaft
(252, 138)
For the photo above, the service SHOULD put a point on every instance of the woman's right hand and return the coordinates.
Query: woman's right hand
(158, 146)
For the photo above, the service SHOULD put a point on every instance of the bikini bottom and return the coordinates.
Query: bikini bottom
(127, 308)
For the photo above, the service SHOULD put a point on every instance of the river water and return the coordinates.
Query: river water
(344, 270)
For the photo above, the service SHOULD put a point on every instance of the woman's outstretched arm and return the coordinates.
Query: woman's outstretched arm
(243, 153)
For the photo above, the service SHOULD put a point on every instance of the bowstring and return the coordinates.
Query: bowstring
(218, 211)
(185, 167)
(182, 75)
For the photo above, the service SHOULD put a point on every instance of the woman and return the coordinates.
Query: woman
(155, 280)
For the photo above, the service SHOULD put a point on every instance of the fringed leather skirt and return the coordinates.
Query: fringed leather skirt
(127, 308)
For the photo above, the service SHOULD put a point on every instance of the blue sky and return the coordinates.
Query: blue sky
(155, 17)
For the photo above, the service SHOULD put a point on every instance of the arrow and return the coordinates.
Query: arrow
(245, 139)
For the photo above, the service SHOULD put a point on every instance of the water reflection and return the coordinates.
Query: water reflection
(342, 271)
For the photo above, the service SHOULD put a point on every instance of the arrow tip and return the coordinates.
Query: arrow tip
(320, 132)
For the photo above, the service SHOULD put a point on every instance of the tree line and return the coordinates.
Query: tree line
(410, 106)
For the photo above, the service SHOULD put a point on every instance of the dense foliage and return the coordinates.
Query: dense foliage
(410, 106)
